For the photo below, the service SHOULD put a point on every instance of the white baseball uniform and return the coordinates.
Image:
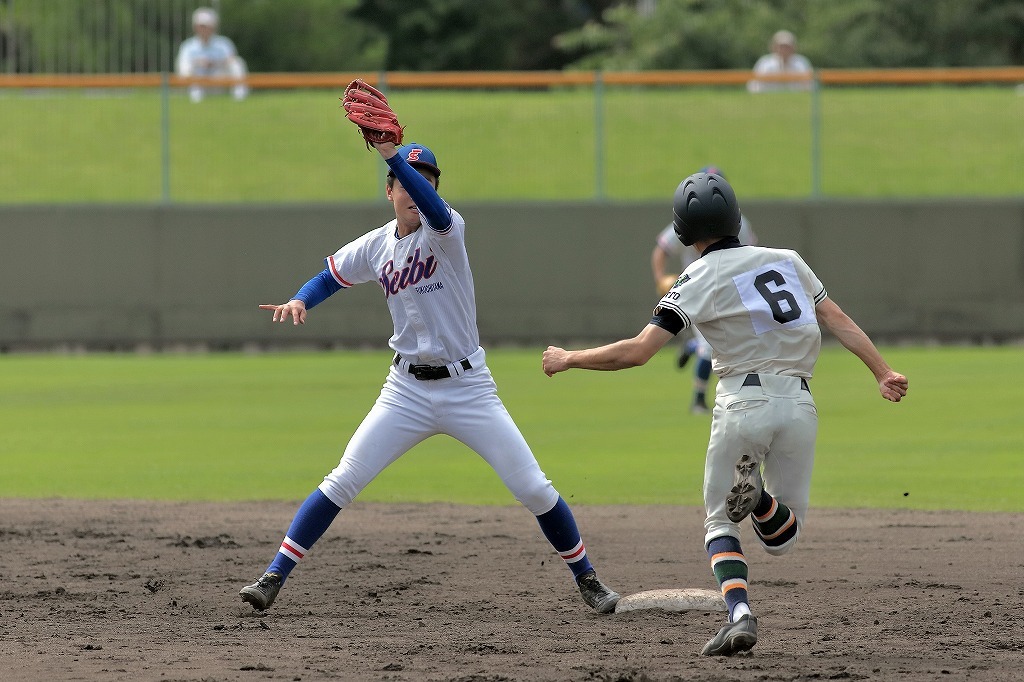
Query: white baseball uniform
(669, 242)
(772, 64)
(437, 383)
(214, 57)
(755, 306)
(428, 285)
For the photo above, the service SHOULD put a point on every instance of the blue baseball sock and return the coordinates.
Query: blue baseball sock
(700, 382)
(310, 523)
(560, 529)
(704, 369)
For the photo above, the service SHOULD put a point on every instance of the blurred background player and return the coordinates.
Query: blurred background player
(668, 249)
(209, 54)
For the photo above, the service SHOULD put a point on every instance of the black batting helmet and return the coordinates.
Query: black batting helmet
(705, 207)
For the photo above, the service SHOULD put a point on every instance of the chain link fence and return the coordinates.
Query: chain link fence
(101, 118)
(93, 36)
(108, 139)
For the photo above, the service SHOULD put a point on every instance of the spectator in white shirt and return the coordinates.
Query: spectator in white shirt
(783, 59)
(209, 54)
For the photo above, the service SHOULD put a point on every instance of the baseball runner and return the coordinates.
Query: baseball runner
(667, 246)
(760, 310)
(438, 382)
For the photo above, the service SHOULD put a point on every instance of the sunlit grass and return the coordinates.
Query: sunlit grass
(234, 426)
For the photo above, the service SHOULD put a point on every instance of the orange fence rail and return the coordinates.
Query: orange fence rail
(522, 79)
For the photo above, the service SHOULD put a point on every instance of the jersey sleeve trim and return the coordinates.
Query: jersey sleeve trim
(335, 274)
(317, 289)
(820, 296)
(672, 307)
(670, 320)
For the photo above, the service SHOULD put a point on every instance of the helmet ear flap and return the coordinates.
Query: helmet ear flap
(705, 207)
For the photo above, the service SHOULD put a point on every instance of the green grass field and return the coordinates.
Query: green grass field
(502, 145)
(235, 426)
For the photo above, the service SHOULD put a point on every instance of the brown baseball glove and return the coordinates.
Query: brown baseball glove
(368, 108)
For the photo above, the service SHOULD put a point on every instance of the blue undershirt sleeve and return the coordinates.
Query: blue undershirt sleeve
(428, 201)
(316, 290)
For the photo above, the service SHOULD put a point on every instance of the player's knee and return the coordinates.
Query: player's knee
(780, 545)
(780, 549)
(535, 493)
(342, 485)
(338, 494)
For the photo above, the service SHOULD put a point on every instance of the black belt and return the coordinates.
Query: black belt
(432, 372)
(754, 380)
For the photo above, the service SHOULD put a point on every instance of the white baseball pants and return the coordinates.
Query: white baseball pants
(777, 424)
(466, 408)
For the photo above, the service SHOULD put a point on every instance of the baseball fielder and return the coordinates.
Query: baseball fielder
(760, 310)
(668, 246)
(438, 382)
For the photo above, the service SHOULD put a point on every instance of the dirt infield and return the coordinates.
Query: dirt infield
(131, 590)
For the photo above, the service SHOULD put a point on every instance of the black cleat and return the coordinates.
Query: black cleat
(733, 638)
(746, 490)
(262, 593)
(595, 594)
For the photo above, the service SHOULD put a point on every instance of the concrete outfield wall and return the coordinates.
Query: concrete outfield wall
(120, 275)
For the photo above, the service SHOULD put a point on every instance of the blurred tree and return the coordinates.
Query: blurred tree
(422, 35)
(910, 33)
(678, 34)
(303, 35)
(464, 35)
(712, 34)
(69, 37)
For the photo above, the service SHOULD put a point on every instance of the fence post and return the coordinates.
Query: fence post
(598, 136)
(815, 136)
(165, 138)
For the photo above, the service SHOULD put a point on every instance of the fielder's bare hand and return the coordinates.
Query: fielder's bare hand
(893, 386)
(294, 307)
(555, 360)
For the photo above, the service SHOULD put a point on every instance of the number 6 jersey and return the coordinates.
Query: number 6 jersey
(754, 305)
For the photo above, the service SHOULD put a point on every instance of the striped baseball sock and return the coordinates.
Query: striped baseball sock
(774, 523)
(560, 529)
(730, 567)
(310, 522)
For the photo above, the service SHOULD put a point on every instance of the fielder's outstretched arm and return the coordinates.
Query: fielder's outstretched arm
(619, 355)
(432, 207)
(312, 293)
(295, 308)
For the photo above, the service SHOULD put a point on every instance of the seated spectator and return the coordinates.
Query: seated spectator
(209, 54)
(783, 59)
